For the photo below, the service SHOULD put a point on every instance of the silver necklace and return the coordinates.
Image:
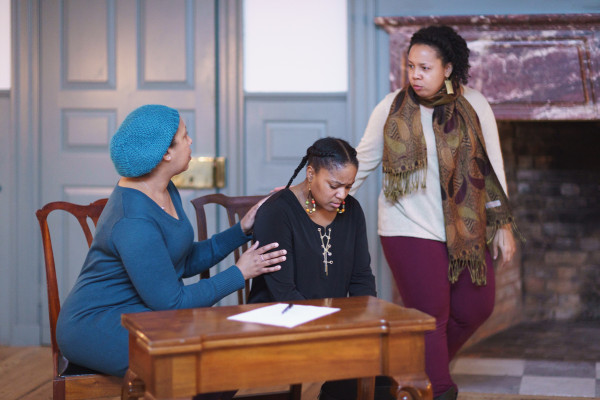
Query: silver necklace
(150, 191)
(326, 247)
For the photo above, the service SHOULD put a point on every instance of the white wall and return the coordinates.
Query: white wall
(4, 44)
(306, 53)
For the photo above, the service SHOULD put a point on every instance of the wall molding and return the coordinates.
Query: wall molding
(266, 96)
(25, 284)
(229, 92)
(363, 96)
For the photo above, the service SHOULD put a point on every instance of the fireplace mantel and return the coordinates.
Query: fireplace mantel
(529, 67)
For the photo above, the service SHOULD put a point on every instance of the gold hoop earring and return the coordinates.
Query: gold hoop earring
(310, 200)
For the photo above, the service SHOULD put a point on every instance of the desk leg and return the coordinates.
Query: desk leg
(366, 388)
(414, 389)
(133, 387)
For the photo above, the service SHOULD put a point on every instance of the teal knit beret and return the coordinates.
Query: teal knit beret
(143, 138)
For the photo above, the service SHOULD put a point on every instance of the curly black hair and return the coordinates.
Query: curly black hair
(450, 46)
(327, 153)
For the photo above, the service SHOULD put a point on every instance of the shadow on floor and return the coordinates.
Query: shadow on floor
(546, 340)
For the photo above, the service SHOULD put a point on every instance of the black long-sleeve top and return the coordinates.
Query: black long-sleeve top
(303, 275)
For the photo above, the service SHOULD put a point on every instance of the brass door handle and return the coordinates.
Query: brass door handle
(202, 173)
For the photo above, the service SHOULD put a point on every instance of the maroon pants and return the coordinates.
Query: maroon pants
(420, 269)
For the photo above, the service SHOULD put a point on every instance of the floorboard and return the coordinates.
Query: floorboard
(25, 373)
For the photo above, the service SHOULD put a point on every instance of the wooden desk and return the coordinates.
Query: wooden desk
(184, 352)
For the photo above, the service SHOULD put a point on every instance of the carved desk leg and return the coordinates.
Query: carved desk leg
(133, 387)
(415, 389)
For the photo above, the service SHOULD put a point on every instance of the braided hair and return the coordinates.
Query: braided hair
(451, 48)
(327, 153)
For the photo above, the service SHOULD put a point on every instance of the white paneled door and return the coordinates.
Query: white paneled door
(100, 59)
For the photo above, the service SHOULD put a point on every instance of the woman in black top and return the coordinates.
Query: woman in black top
(321, 227)
(323, 230)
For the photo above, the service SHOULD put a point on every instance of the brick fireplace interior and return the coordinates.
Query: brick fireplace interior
(553, 173)
(541, 74)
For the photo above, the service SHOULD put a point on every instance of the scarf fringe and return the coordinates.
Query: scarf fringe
(477, 269)
(398, 184)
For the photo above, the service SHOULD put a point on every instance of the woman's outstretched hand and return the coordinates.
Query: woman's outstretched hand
(247, 221)
(259, 260)
(504, 243)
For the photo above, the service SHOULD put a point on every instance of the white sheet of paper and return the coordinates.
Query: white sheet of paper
(274, 315)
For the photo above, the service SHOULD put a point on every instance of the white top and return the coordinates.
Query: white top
(420, 214)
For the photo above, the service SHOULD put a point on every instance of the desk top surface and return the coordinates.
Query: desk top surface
(200, 326)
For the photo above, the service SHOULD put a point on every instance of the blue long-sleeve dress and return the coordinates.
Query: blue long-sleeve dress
(137, 262)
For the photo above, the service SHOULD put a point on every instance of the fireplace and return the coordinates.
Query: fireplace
(541, 74)
(554, 174)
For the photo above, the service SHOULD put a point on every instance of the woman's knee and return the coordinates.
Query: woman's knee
(480, 313)
(474, 313)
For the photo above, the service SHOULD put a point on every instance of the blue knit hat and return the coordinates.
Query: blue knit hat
(143, 139)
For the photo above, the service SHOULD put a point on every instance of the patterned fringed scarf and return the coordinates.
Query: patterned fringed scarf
(472, 196)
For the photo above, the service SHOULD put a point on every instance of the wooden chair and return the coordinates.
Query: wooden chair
(72, 381)
(236, 208)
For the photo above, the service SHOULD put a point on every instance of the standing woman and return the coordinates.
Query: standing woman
(144, 247)
(443, 186)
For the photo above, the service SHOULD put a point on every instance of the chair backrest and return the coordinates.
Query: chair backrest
(81, 213)
(236, 207)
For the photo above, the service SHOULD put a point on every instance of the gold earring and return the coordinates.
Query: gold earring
(310, 200)
(449, 88)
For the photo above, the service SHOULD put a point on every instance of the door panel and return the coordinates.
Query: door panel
(279, 129)
(100, 59)
(165, 52)
(87, 44)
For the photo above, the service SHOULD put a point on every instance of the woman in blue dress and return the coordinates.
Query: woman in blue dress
(144, 246)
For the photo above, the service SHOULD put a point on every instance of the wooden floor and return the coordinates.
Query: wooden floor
(26, 373)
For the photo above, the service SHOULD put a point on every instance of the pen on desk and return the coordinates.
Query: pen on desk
(287, 308)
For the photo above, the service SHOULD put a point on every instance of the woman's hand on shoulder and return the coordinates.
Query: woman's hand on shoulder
(247, 221)
(504, 243)
(260, 260)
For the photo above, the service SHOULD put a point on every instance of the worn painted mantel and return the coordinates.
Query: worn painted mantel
(529, 67)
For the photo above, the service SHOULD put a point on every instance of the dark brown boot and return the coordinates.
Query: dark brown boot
(450, 394)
